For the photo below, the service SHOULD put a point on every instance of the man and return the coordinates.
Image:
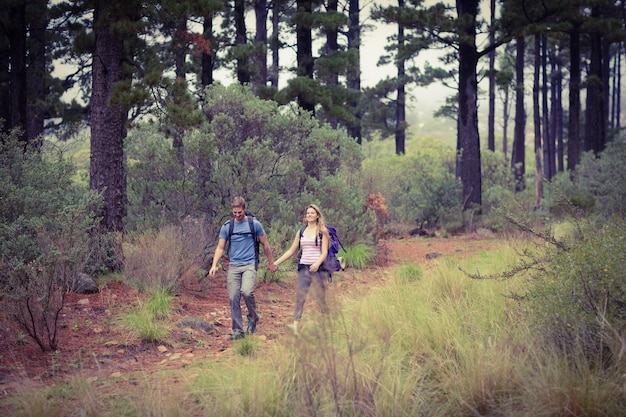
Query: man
(242, 267)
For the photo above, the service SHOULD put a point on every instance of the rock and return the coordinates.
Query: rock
(84, 284)
(196, 323)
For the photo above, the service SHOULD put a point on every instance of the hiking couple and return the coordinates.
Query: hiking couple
(243, 262)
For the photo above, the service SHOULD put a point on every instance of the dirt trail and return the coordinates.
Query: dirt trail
(93, 344)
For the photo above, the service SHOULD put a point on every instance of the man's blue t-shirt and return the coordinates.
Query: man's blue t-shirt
(241, 242)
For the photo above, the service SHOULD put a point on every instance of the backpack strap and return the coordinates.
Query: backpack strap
(256, 242)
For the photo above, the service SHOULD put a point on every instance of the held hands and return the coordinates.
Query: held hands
(273, 267)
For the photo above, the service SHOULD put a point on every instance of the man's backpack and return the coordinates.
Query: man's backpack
(332, 262)
(231, 226)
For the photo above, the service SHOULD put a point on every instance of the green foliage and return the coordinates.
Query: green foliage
(247, 346)
(358, 255)
(47, 227)
(578, 301)
(148, 320)
(418, 187)
(498, 185)
(271, 155)
(598, 185)
(409, 272)
(159, 305)
(342, 206)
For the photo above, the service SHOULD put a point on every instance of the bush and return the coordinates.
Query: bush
(358, 255)
(47, 235)
(155, 259)
(279, 159)
(578, 302)
(420, 187)
(598, 185)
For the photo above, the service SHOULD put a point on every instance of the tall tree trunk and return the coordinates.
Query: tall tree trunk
(401, 93)
(618, 88)
(304, 53)
(17, 44)
(573, 140)
(5, 87)
(537, 123)
(469, 139)
(206, 77)
(491, 128)
(560, 145)
(547, 141)
(36, 71)
(275, 42)
(260, 38)
(556, 113)
(243, 71)
(332, 47)
(518, 153)
(617, 58)
(595, 130)
(505, 121)
(180, 54)
(108, 120)
(354, 71)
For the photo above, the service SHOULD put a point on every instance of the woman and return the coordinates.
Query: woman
(313, 238)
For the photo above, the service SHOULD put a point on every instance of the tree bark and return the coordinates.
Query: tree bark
(36, 72)
(304, 53)
(537, 123)
(108, 122)
(573, 140)
(518, 153)
(400, 129)
(469, 139)
(243, 72)
(354, 72)
(491, 122)
(206, 77)
(17, 43)
(595, 129)
(260, 38)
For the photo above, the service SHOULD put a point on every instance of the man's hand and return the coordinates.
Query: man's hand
(273, 267)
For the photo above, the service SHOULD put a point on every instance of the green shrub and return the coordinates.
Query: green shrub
(358, 255)
(160, 304)
(47, 235)
(247, 346)
(420, 187)
(578, 300)
(597, 185)
(409, 272)
(147, 320)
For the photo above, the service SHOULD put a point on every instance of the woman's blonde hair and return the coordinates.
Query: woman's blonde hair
(321, 222)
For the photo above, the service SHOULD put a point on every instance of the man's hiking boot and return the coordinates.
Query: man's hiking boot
(251, 327)
(236, 336)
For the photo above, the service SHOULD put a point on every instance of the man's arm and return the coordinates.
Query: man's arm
(219, 251)
(268, 252)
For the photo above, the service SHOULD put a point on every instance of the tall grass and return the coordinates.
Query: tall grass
(155, 259)
(148, 321)
(357, 255)
(430, 343)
